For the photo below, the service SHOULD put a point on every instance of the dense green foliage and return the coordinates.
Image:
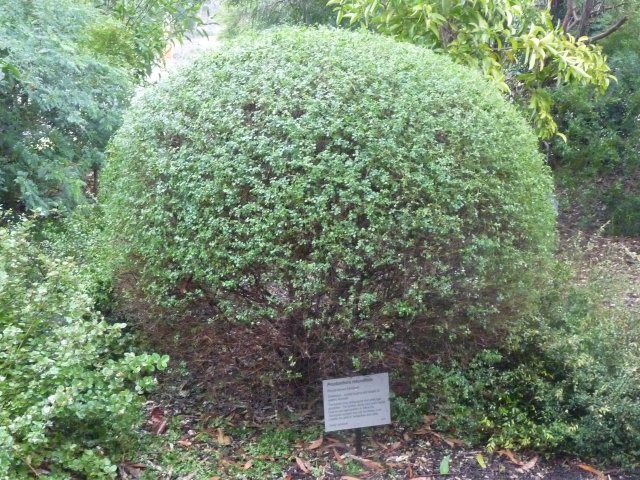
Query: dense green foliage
(342, 201)
(66, 73)
(150, 26)
(515, 43)
(69, 384)
(600, 158)
(60, 102)
(566, 381)
(241, 15)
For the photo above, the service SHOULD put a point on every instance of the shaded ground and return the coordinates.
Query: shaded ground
(265, 444)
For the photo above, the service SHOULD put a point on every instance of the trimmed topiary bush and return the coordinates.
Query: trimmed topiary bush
(342, 189)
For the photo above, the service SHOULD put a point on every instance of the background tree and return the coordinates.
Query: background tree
(152, 25)
(515, 43)
(596, 19)
(67, 71)
(240, 15)
(60, 98)
(599, 164)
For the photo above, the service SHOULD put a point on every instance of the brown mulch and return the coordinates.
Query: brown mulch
(388, 453)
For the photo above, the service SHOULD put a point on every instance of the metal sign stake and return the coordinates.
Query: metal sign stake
(358, 442)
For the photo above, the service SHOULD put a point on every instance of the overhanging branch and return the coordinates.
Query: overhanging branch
(609, 30)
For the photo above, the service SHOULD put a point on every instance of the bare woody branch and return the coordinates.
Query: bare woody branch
(609, 30)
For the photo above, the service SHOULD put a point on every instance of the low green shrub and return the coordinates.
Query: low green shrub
(80, 236)
(567, 381)
(69, 384)
(623, 205)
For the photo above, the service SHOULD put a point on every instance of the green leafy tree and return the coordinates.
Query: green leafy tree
(60, 101)
(66, 73)
(515, 43)
(600, 161)
(596, 19)
(240, 15)
(152, 25)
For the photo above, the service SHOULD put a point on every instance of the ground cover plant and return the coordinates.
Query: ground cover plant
(70, 384)
(327, 210)
(565, 381)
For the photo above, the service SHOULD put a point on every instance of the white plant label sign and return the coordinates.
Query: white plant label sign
(356, 402)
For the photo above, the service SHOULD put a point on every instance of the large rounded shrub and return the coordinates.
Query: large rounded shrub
(347, 191)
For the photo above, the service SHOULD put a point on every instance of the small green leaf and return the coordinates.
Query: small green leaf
(481, 461)
(444, 465)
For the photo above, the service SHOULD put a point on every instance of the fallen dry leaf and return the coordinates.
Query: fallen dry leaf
(453, 442)
(600, 475)
(377, 444)
(347, 477)
(160, 427)
(530, 464)
(393, 446)
(337, 456)
(302, 465)
(335, 442)
(512, 458)
(223, 439)
(131, 470)
(158, 421)
(248, 465)
(157, 411)
(315, 444)
(184, 442)
(368, 464)
(214, 478)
